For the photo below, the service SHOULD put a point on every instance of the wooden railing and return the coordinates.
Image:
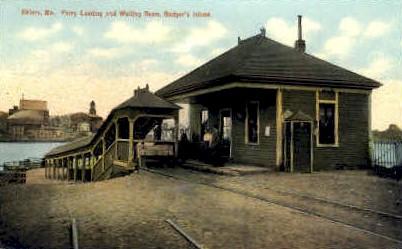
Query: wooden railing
(122, 150)
(98, 168)
(10, 177)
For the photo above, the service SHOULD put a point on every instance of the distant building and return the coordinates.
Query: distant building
(3, 122)
(80, 120)
(30, 121)
(29, 117)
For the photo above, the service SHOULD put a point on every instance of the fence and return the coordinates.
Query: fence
(15, 172)
(10, 177)
(387, 159)
(387, 154)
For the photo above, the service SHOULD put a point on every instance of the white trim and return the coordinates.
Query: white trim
(279, 128)
(264, 86)
(258, 123)
(336, 119)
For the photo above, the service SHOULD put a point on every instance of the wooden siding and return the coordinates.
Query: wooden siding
(352, 151)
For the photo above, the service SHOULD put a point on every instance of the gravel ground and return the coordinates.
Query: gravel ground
(130, 212)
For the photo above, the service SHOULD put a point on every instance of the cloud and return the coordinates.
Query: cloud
(36, 33)
(78, 30)
(387, 105)
(350, 27)
(144, 65)
(202, 36)
(286, 32)
(107, 53)
(188, 60)
(378, 68)
(62, 47)
(377, 29)
(67, 88)
(341, 45)
(153, 32)
(217, 51)
(350, 32)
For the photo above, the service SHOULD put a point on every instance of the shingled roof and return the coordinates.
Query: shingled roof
(74, 145)
(261, 60)
(143, 98)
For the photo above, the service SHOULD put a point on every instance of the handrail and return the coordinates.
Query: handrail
(98, 165)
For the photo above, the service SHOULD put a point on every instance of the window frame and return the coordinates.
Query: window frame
(246, 137)
(336, 119)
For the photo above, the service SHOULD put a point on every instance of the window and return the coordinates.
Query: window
(252, 124)
(327, 118)
(327, 124)
(204, 122)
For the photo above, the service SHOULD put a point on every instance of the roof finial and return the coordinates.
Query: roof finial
(263, 31)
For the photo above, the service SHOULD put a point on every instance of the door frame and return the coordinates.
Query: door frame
(292, 143)
(231, 128)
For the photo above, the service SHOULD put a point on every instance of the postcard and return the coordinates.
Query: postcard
(200, 124)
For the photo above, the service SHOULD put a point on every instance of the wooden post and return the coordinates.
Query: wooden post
(46, 165)
(176, 134)
(279, 129)
(92, 162)
(57, 169)
(131, 142)
(74, 236)
(83, 165)
(50, 173)
(68, 168)
(103, 153)
(62, 169)
(116, 137)
(75, 166)
(291, 146)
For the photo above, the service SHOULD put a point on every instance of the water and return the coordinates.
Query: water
(15, 151)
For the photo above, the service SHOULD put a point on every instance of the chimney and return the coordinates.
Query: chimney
(238, 40)
(300, 44)
(137, 91)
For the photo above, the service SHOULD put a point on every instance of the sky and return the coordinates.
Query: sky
(70, 59)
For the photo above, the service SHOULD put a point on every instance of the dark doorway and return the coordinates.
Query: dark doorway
(225, 131)
(298, 146)
(302, 146)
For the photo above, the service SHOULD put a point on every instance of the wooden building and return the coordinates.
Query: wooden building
(130, 133)
(279, 107)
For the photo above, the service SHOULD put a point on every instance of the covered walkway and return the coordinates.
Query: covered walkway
(141, 127)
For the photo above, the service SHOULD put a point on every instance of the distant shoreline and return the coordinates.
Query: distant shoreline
(35, 141)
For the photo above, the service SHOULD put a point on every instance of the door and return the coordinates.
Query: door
(302, 146)
(298, 146)
(225, 131)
